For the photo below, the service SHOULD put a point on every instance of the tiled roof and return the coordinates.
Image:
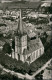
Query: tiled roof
(33, 45)
(45, 4)
(32, 34)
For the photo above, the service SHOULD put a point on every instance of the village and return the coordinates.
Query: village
(25, 41)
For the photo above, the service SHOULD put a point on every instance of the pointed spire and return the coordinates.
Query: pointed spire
(20, 24)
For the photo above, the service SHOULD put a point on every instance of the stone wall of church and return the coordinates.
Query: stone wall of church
(22, 58)
(35, 54)
(13, 55)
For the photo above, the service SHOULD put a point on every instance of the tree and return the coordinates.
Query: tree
(25, 67)
(45, 35)
(7, 48)
(1, 35)
(0, 69)
(6, 76)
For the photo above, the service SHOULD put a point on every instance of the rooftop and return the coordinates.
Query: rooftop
(33, 45)
(32, 34)
(46, 4)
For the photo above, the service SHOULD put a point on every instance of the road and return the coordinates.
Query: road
(42, 68)
(19, 75)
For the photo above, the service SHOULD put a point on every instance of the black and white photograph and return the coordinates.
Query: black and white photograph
(25, 39)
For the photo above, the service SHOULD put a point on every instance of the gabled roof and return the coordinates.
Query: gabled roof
(32, 34)
(33, 45)
(46, 4)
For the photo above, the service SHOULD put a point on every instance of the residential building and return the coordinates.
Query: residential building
(8, 26)
(1, 12)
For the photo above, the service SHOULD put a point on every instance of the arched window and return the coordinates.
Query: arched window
(34, 55)
(40, 52)
(18, 57)
(37, 54)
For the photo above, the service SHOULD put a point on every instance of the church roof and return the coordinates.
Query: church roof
(32, 34)
(33, 45)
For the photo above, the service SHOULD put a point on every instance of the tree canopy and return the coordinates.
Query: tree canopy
(7, 48)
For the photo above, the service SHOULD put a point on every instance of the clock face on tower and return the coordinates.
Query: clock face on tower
(24, 43)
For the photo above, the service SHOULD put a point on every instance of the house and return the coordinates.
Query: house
(1, 12)
(7, 12)
(26, 50)
(45, 6)
(15, 14)
(33, 15)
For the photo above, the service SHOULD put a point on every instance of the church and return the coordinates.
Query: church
(26, 50)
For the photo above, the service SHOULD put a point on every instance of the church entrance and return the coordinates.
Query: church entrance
(18, 57)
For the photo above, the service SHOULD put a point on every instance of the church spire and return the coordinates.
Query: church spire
(20, 23)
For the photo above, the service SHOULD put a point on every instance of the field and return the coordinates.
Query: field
(15, 5)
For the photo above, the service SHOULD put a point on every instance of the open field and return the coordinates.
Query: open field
(14, 5)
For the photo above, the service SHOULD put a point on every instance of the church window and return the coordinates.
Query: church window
(37, 54)
(24, 57)
(23, 43)
(18, 50)
(34, 55)
(49, 71)
(28, 47)
(15, 49)
(30, 58)
(40, 52)
(18, 57)
(25, 37)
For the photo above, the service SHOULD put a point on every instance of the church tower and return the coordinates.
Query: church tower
(20, 41)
